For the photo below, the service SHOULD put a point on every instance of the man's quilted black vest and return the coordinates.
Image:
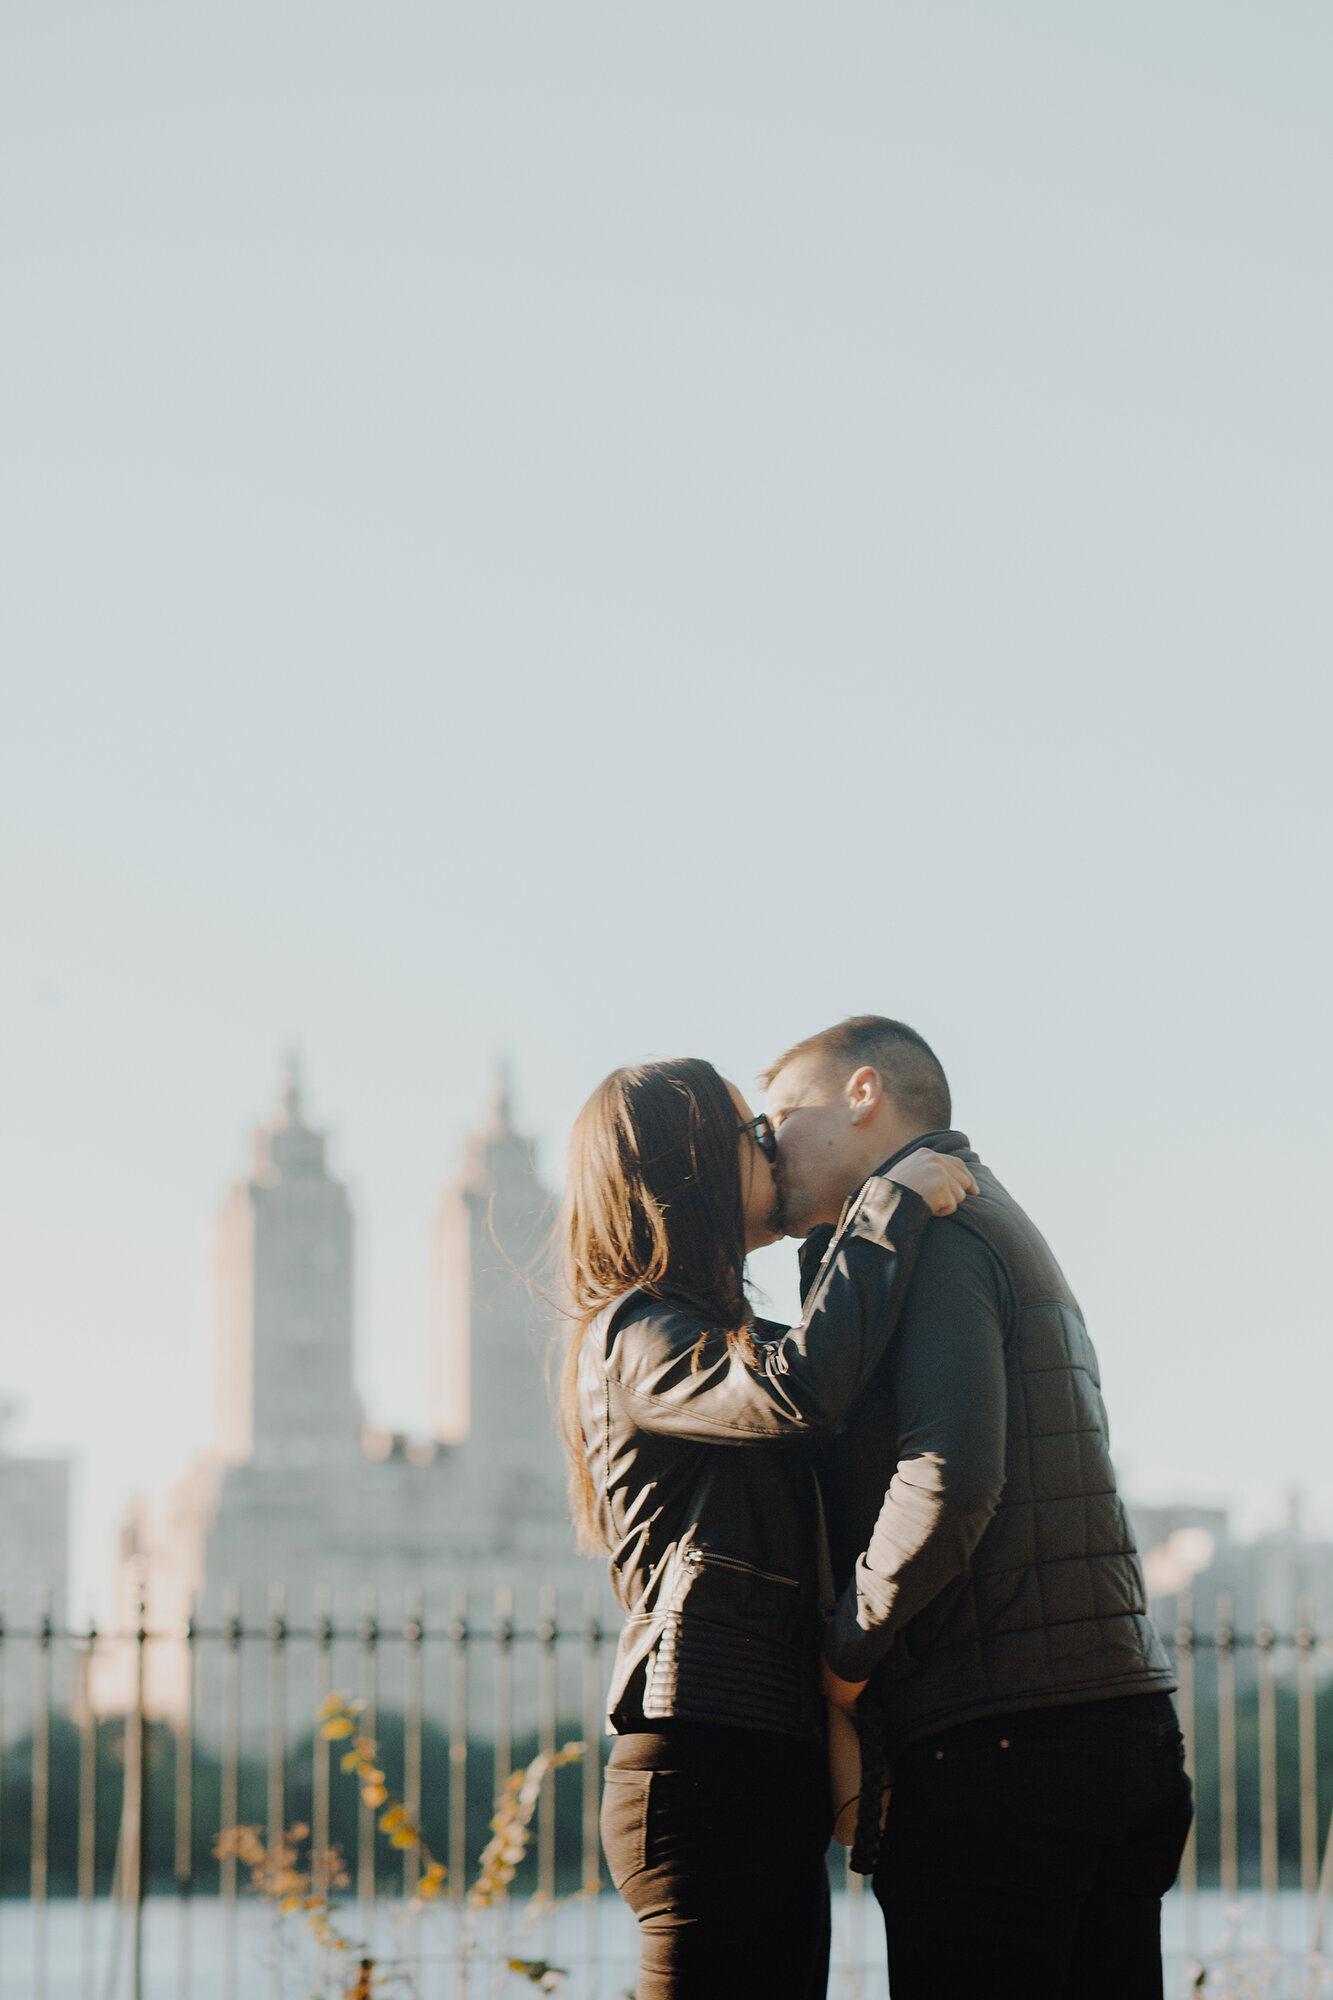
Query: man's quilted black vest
(1052, 1606)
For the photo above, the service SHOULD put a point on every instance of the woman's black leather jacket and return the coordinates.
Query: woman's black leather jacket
(705, 1497)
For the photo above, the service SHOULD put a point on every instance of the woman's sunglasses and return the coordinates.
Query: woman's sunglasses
(761, 1131)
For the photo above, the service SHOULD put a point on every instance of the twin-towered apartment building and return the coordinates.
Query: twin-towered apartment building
(299, 1496)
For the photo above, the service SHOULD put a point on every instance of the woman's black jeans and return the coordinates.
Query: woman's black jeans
(715, 1837)
(1025, 1856)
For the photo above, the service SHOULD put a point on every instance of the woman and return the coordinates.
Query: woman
(683, 1419)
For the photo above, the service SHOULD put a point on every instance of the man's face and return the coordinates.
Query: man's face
(819, 1149)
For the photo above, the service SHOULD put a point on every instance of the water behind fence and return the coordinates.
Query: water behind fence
(108, 1822)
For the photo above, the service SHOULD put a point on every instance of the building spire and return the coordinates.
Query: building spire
(289, 1091)
(502, 1120)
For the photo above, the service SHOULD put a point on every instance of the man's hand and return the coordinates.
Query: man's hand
(843, 1694)
(939, 1178)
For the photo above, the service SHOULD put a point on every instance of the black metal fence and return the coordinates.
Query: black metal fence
(127, 1805)
(99, 1807)
(1256, 1712)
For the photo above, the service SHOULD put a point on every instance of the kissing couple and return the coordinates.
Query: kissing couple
(902, 1509)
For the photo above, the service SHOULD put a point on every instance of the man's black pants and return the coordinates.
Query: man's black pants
(1026, 1855)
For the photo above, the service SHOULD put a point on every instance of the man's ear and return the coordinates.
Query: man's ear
(865, 1093)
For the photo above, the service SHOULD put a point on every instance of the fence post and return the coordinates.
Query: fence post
(276, 1787)
(504, 1721)
(458, 1728)
(412, 1699)
(183, 1859)
(548, 1632)
(41, 1800)
(504, 1688)
(319, 1776)
(1225, 1641)
(1189, 1861)
(365, 1822)
(592, 1773)
(1324, 1881)
(134, 1807)
(1265, 1639)
(1323, 1893)
(2, 1769)
(592, 1742)
(230, 1799)
(1308, 1746)
(87, 1876)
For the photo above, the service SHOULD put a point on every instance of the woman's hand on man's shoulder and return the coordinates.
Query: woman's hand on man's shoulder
(940, 1179)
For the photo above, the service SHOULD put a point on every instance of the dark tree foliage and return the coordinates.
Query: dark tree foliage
(63, 1838)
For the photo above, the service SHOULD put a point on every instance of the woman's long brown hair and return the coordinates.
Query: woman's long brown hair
(653, 1201)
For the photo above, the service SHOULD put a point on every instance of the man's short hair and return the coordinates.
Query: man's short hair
(909, 1068)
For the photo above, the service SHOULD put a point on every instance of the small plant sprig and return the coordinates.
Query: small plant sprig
(511, 1826)
(278, 1877)
(337, 1717)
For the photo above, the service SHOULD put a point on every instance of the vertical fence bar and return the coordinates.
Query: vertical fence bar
(592, 1775)
(230, 1790)
(458, 1730)
(319, 1752)
(412, 1697)
(1265, 1639)
(1308, 1746)
(275, 1785)
(276, 1775)
(134, 1804)
(41, 1801)
(1185, 1705)
(87, 1854)
(504, 1688)
(548, 1633)
(592, 1743)
(504, 1725)
(2, 1783)
(1323, 1894)
(183, 1856)
(365, 1819)
(1228, 1841)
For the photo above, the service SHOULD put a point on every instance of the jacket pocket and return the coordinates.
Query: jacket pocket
(625, 1822)
(705, 1558)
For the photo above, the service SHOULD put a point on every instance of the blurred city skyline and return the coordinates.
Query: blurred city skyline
(581, 535)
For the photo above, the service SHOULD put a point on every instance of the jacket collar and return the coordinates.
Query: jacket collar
(939, 1142)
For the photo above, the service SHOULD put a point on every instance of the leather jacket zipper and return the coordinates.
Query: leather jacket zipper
(696, 1557)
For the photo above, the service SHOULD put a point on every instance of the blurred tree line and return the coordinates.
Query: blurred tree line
(344, 1804)
(16, 1798)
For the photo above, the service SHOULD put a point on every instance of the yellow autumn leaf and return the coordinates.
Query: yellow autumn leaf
(340, 1725)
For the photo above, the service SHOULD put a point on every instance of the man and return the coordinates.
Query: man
(992, 1630)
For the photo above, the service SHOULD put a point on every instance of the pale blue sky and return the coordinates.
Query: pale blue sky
(599, 530)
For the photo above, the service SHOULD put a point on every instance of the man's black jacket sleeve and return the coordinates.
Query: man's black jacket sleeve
(677, 1379)
(948, 1390)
